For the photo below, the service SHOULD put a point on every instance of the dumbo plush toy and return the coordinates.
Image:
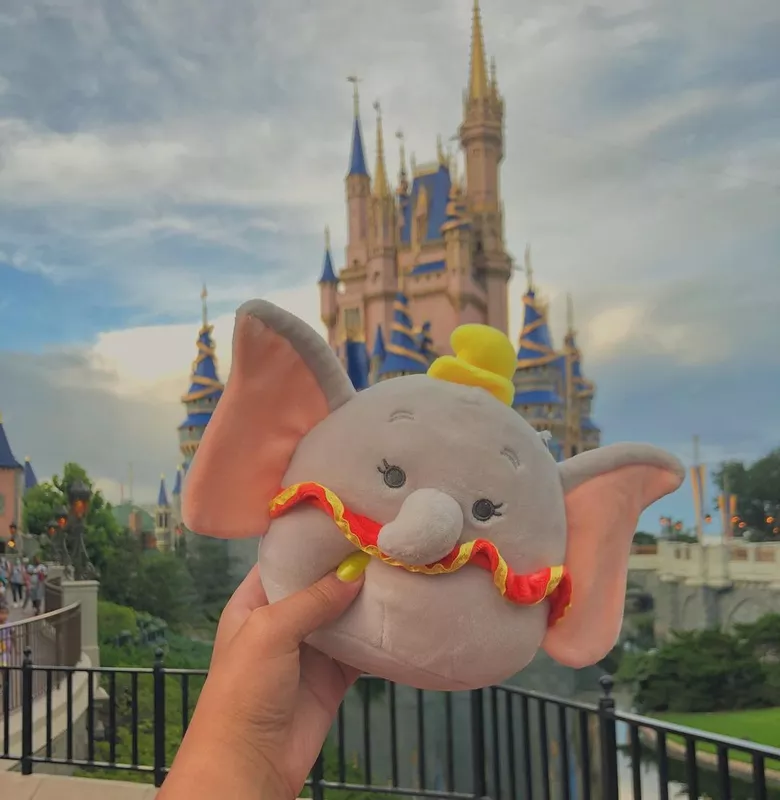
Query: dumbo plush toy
(478, 547)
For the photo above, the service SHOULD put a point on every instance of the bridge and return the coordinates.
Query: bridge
(705, 585)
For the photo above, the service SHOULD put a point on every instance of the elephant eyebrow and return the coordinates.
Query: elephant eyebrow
(399, 415)
(511, 456)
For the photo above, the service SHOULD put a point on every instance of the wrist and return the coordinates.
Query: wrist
(222, 760)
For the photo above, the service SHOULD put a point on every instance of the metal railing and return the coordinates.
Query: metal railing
(50, 638)
(500, 743)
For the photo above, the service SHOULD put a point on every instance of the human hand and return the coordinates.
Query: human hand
(269, 700)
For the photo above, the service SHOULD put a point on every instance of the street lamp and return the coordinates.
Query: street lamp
(76, 557)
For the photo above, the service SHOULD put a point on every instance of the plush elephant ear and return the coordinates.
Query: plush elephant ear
(606, 491)
(284, 380)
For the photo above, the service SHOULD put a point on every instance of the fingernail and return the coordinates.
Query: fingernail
(352, 567)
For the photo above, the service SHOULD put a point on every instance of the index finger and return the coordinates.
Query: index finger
(249, 596)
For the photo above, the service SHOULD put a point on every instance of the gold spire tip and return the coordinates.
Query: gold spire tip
(162, 476)
(381, 185)
(327, 237)
(478, 83)
(204, 297)
(569, 312)
(27, 459)
(528, 267)
(399, 134)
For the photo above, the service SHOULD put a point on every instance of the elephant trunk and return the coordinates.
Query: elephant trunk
(426, 529)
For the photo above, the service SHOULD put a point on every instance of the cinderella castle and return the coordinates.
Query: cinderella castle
(429, 254)
(422, 257)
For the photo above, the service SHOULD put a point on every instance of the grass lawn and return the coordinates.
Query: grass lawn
(761, 726)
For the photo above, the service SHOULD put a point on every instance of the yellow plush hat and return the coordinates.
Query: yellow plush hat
(483, 357)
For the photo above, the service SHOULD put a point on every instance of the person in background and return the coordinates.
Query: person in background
(17, 583)
(6, 642)
(27, 583)
(37, 576)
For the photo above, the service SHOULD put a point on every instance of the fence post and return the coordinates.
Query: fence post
(479, 786)
(317, 777)
(27, 712)
(608, 739)
(159, 718)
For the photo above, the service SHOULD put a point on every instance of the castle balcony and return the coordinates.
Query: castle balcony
(716, 565)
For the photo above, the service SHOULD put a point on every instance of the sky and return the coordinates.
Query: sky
(149, 146)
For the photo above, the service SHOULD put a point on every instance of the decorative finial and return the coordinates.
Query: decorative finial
(327, 237)
(204, 294)
(493, 73)
(162, 476)
(354, 80)
(569, 313)
(399, 134)
(413, 163)
(1, 417)
(529, 270)
(27, 459)
(440, 150)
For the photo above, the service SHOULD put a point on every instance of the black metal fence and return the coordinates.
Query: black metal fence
(501, 743)
(50, 638)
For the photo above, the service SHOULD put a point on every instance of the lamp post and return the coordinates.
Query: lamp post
(13, 545)
(76, 559)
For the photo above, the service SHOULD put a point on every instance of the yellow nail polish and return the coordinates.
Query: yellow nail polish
(352, 567)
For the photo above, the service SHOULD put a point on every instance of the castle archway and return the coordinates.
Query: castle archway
(746, 612)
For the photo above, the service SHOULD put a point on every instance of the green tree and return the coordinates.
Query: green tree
(697, 671)
(208, 561)
(42, 503)
(164, 588)
(757, 487)
(643, 538)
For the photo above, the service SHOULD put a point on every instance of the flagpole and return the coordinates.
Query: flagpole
(698, 488)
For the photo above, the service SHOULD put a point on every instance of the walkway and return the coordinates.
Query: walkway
(50, 787)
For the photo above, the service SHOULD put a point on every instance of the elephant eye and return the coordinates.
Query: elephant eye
(394, 476)
(485, 509)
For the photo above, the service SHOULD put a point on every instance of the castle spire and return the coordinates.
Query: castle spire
(357, 160)
(205, 388)
(328, 273)
(7, 458)
(162, 494)
(478, 77)
(381, 184)
(204, 295)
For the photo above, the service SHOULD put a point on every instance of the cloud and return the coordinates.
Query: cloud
(147, 148)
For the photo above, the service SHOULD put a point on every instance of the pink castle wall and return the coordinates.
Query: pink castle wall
(9, 488)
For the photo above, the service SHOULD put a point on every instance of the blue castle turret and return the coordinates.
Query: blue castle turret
(204, 392)
(30, 479)
(581, 392)
(11, 508)
(539, 380)
(403, 356)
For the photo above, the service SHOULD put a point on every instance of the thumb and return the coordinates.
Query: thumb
(302, 613)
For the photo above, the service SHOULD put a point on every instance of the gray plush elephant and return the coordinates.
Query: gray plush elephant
(483, 549)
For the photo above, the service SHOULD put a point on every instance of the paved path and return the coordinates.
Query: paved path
(48, 787)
